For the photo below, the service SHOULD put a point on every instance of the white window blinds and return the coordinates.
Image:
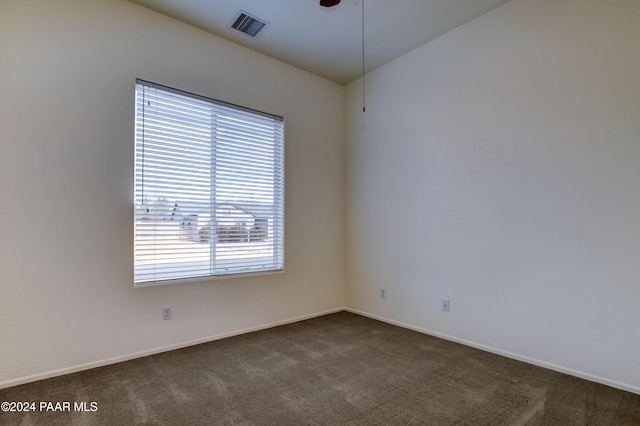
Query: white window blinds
(208, 187)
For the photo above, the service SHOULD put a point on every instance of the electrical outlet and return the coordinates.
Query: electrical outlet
(167, 313)
(446, 304)
(383, 293)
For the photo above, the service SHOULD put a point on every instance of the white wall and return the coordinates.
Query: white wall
(66, 206)
(499, 166)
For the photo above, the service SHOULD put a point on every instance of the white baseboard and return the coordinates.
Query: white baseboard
(539, 363)
(121, 358)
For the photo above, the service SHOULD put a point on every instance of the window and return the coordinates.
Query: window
(208, 187)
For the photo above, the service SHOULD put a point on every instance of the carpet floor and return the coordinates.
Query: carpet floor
(339, 369)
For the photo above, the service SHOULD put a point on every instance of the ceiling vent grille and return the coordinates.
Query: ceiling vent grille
(247, 24)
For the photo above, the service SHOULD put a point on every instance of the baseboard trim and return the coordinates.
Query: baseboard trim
(528, 360)
(127, 357)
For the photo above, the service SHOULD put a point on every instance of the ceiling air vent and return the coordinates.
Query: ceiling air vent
(247, 24)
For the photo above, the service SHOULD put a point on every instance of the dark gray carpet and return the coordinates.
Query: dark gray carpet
(340, 369)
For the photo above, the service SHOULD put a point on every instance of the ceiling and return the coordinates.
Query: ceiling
(328, 41)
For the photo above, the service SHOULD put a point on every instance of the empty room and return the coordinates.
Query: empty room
(305, 212)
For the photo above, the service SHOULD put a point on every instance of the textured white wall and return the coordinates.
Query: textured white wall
(66, 159)
(498, 167)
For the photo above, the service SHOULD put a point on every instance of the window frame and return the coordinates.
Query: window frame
(278, 204)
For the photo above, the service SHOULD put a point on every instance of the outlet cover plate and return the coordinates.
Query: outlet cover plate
(167, 313)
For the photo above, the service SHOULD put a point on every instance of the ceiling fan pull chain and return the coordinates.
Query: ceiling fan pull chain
(363, 91)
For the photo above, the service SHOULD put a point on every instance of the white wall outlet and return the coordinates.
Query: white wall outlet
(446, 304)
(167, 313)
(383, 293)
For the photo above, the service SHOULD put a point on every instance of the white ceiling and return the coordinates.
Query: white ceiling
(328, 41)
